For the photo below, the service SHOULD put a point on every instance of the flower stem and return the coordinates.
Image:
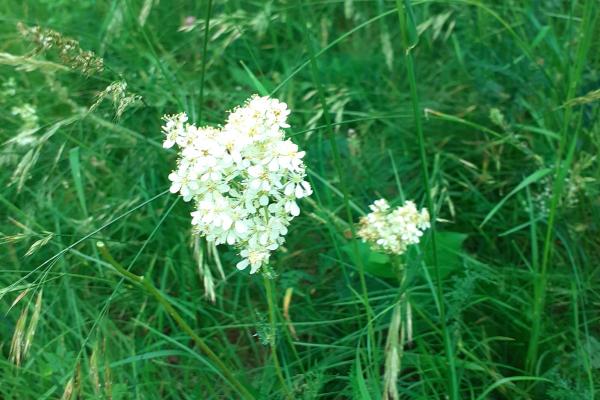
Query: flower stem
(272, 340)
(152, 290)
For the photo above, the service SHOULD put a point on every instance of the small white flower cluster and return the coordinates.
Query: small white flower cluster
(392, 231)
(244, 177)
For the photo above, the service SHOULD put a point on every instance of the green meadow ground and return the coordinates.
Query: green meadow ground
(491, 118)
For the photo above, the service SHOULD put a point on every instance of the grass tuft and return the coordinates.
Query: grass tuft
(484, 112)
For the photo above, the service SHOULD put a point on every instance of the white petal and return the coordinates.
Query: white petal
(231, 238)
(242, 264)
(294, 209)
(254, 268)
(273, 165)
(175, 187)
(255, 184)
(254, 171)
(227, 221)
(306, 187)
(185, 191)
(263, 239)
(241, 227)
(289, 189)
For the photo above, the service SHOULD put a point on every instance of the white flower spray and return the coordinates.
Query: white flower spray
(392, 231)
(244, 177)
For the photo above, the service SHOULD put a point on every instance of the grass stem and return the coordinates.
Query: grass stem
(403, 12)
(273, 339)
(204, 59)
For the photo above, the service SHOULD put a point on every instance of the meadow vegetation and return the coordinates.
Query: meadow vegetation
(484, 112)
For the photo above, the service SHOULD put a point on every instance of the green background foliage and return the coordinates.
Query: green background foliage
(508, 96)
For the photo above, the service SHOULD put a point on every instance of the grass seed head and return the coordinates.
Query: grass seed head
(68, 50)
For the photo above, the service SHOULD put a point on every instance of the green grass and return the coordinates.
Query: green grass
(485, 112)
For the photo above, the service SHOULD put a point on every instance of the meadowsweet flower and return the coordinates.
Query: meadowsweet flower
(174, 130)
(392, 231)
(244, 178)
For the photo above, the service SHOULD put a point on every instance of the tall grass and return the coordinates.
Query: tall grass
(484, 112)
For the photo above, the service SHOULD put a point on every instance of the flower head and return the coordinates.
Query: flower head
(244, 177)
(392, 231)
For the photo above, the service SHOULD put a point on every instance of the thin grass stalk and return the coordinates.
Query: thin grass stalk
(372, 348)
(585, 355)
(146, 283)
(454, 389)
(272, 339)
(204, 58)
(560, 174)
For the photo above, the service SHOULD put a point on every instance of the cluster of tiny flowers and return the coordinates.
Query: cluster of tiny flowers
(244, 177)
(393, 230)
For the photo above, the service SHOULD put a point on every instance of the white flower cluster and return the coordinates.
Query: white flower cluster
(244, 177)
(392, 231)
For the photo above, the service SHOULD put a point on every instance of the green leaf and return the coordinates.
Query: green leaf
(377, 258)
(375, 263)
(449, 251)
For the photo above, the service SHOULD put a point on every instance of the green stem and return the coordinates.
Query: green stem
(454, 389)
(272, 339)
(150, 288)
(204, 59)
